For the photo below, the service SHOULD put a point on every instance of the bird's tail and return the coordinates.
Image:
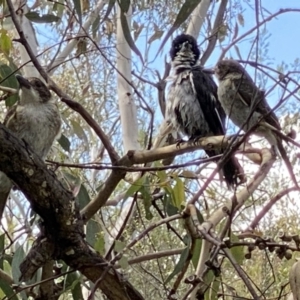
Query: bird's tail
(286, 160)
(232, 171)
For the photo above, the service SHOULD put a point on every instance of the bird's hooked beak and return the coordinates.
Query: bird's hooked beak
(23, 82)
(210, 70)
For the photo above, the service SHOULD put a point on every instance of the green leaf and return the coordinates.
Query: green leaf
(145, 191)
(64, 142)
(124, 5)
(110, 6)
(182, 260)
(196, 252)
(81, 47)
(185, 11)
(5, 42)
(170, 209)
(155, 36)
(95, 26)
(15, 264)
(35, 17)
(82, 197)
(213, 291)
(92, 230)
(8, 80)
(77, 291)
(77, 5)
(73, 283)
(123, 262)
(59, 7)
(100, 244)
(208, 279)
(237, 252)
(241, 19)
(178, 192)
(135, 187)
(119, 246)
(2, 238)
(78, 130)
(7, 290)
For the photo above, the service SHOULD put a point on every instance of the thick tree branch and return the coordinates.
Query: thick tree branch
(63, 227)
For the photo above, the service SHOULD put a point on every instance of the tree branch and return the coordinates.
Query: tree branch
(63, 234)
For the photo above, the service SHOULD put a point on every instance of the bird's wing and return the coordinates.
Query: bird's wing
(206, 90)
(252, 96)
(10, 113)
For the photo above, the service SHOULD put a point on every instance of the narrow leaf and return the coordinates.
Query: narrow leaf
(77, 5)
(7, 290)
(123, 262)
(15, 265)
(237, 50)
(145, 191)
(124, 5)
(182, 260)
(82, 197)
(77, 291)
(178, 192)
(119, 246)
(157, 35)
(110, 6)
(196, 252)
(92, 230)
(78, 130)
(135, 187)
(237, 252)
(8, 80)
(35, 17)
(241, 19)
(100, 244)
(185, 11)
(95, 26)
(64, 142)
(5, 42)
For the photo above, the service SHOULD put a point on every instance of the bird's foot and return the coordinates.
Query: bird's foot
(179, 141)
(194, 140)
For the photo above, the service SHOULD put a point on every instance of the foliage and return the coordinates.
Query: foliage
(143, 225)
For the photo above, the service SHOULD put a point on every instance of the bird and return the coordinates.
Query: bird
(245, 104)
(192, 105)
(35, 118)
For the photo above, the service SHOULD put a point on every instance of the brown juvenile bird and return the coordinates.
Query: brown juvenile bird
(246, 105)
(35, 119)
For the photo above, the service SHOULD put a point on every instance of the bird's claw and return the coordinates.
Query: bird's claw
(178, 142)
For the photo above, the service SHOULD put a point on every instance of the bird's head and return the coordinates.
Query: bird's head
(185, 47)
(228, 66)
(33, 90)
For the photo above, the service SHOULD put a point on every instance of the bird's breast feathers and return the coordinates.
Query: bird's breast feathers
(37, 124)
(183, 107)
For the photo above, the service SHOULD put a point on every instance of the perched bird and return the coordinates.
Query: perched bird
(193, 107)
(35, 119)
(245, 104)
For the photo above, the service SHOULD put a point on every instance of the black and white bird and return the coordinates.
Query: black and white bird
(193, 107)
(34, 119)
(246, 105)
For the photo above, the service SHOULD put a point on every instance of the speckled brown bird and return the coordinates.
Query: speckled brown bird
(245, 104)
(192, 105)
(35, 119)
